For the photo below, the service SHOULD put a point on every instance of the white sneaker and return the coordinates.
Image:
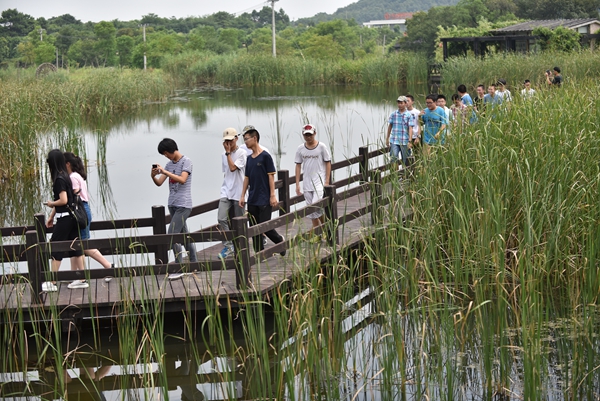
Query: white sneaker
(78, 284)
(175, 276)
(49, 287)
(107, 279)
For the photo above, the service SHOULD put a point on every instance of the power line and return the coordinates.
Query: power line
(264, 3)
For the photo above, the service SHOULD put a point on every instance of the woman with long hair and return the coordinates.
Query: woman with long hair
(66, 226)
(78, 175)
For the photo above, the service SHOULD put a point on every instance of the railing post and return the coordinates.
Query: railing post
(363, 151)
(40, 226)
(242, 251)
(159, 226)
(331, 215)
(34, 265)
(376, 193)
(284, 191)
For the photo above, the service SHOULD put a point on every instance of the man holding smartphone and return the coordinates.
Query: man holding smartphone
(179, 172)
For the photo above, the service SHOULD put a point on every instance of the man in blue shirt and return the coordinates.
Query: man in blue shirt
(434, 124)
(260, 180)
(491, 100)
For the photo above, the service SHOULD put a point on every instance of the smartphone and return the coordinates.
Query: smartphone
(155, 166)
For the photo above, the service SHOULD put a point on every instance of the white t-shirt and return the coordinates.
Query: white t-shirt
(504, 95)
(233, 181)
(313, 166)
(416, 128)
(527, 93)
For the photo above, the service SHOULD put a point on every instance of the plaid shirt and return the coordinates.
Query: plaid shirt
(400, 123)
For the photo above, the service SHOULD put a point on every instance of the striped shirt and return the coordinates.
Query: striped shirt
(180, 195)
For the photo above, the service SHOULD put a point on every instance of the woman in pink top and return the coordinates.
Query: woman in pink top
(78, 176)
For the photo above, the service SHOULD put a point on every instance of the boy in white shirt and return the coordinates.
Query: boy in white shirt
(314, 158)
(233, 165)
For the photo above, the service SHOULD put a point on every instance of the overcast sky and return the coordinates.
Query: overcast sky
(126, 10)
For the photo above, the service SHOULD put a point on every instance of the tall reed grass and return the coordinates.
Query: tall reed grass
(59, 104)
(576, 69)
(193, 69)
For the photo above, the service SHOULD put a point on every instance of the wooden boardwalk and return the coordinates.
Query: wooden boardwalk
(211, 280)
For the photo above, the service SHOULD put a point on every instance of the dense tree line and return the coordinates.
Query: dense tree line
(68, 41)
(30, 41)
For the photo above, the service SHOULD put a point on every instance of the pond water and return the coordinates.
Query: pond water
(345, 118)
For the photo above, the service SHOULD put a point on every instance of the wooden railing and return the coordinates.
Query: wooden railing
(36, 250)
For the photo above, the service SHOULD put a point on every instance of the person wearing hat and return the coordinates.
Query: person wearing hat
(400, 131)
(233, 165)
(259, 182)
(312, 158)
(179, 172)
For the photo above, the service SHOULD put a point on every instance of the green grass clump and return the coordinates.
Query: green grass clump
(192, 69)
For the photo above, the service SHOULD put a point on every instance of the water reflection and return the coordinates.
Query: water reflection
(370, 355)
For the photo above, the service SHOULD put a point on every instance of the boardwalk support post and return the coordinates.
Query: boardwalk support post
(376, 194)
(331, 215)
(34, 265)
(242, 252)
(363, 152)
(284, 191)
(161, 255)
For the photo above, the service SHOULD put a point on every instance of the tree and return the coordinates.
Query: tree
(321, 47)
(64, 20)
(125, 46)
(4, 49)
(555, 9)
(559, 39)
(106, 45)
(422, 28)
(14, 23)
(45, 52)
(65, 39)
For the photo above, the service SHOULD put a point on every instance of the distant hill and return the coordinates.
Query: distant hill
(367, 10)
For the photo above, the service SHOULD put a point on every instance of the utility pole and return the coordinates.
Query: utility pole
(273, 24)
(144, 35)
(41, 37)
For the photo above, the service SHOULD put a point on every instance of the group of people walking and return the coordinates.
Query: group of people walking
(248, 181)
(409, 127)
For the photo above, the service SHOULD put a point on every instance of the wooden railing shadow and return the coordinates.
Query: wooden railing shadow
(36, 250)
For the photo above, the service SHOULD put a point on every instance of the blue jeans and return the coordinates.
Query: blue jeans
(178, 225)
(399, 150)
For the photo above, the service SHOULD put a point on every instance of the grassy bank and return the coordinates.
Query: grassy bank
(576, 69)
(193, 69)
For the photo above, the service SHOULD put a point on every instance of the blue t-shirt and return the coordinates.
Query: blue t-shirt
(432, 122)
(467, 100)
(257, 170)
